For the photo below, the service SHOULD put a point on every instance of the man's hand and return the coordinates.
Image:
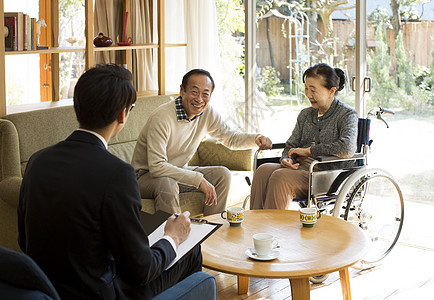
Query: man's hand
(287, 163)
(178, 227)
(209, 191)
(263, 142)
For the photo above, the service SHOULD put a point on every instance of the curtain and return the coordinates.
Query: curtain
(202, 35)
(175, 34)
(203, 43)
(143, 20)
(108, 19)
(193, 22)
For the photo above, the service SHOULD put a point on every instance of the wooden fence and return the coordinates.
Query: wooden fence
(273, 44)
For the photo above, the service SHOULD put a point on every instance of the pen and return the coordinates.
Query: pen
(200, 221)
(195, 220)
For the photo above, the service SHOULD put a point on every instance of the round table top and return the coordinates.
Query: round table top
(331, 245)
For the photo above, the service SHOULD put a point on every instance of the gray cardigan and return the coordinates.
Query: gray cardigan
(334, 133)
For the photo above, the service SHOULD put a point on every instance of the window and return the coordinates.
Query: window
(398, 68)
(71, 34)
(22, 71)
(28, 76)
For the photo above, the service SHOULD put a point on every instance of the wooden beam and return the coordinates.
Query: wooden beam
(250, 64)
(360, 103)
(55, 67)
(127, 55)
(88, 10)
(45, 82)
(2, 69)
(161, 49)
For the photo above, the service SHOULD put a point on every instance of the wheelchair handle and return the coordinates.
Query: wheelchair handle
(247, 178)
(386, 111)
(381, 119)
(378, 112)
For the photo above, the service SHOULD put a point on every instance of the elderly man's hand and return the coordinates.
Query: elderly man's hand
(209, 191)
(263, 142)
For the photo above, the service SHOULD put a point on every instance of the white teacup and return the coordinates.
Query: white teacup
(309, 216)
(264, 244)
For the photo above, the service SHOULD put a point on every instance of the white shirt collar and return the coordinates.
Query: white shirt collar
(97, 135)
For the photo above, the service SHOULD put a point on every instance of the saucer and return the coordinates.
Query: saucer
(250, 252)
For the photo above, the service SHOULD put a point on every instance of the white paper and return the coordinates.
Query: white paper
(197, 233)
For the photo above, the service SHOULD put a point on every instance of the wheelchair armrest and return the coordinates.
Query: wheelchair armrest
(326, 159)
(278, 146)
(272, 159)
(332, 159)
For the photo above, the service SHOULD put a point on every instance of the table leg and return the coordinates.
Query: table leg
(300, 288)
(345, 284)
(243, 285)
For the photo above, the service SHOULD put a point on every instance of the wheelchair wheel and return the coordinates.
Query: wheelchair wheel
(374, 203)
(319, 278)
(246, 203)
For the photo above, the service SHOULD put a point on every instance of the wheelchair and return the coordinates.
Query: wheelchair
(370, 198)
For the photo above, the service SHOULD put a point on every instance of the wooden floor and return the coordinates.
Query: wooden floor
(406, 273)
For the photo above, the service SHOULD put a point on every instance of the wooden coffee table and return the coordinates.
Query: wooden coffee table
(331, 245)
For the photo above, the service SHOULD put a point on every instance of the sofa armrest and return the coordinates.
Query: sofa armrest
(213, 153)
(199, 285)
(10, 163)
(10, 190)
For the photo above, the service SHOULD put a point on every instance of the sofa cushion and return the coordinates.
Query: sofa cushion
(213, 153)
(122, 145)
(39, 129)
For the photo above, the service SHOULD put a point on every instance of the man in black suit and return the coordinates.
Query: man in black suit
(78, 212)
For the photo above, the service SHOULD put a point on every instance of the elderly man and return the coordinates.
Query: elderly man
(170, 138)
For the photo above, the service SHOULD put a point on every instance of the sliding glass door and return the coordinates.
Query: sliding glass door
(400, 64)
(289, 38)
(268, 45)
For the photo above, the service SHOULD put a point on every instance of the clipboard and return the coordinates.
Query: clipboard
(154, 225)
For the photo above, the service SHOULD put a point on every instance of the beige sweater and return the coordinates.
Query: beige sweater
(165, 145)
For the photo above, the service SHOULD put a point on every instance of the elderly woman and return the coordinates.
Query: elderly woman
(328, 127)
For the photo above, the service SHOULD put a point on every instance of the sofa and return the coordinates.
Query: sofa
(22, 134)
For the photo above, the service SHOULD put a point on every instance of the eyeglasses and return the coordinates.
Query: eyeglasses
(132, 106)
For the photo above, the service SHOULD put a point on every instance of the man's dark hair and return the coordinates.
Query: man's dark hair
(193, 72)
(101, 93)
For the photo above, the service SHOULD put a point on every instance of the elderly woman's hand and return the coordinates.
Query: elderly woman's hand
(299, 152)
(287, 163)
